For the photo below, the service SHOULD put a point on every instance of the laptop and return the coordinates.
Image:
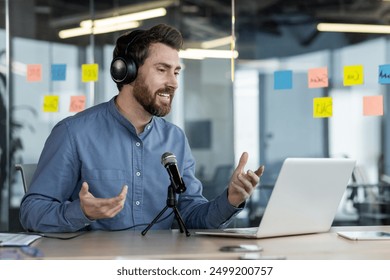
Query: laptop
(304, 200)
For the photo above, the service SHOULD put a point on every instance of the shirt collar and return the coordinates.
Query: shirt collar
(125, 122)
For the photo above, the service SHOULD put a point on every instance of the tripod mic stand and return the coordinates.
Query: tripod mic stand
(171, 203)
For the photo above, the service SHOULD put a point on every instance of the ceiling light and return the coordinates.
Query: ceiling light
(202, 53)
(217, 42)
(355, 28)
(111, 24)
(153, 13)
(80, 31)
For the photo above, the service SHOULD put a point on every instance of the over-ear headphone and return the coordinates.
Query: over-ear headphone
(123, 67)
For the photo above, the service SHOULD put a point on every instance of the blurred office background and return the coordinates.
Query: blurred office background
(225, 106)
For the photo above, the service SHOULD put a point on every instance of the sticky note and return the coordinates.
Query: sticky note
(77, 103)
(318, 77)
(373, 105)
(34, 72)
(384, 74)
(50, 103)
(89, 72)
(283, 79)
(58, 72)
(353, 75)
(322, 107)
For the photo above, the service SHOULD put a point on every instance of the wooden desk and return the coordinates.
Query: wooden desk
(174, 245)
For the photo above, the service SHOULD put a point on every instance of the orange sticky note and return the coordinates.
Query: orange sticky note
(353, 75)
(77, 103)
(34, 72)
(318, 77)
(89, 72)
(322, 107)
(50, 103)
(373, 105)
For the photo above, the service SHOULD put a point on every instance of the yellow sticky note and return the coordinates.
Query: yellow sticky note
(89, 72)
(77, 103)
(353, 75)
(50, 103)
(34, 72)
(373, 105)
(322, 107)
(318, 77)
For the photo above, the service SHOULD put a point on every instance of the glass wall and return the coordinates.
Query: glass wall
(48, 83)
(3, 125)
(289, 127)
(52, 78)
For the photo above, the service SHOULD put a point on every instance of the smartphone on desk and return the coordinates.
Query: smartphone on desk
(365, 235)
(241, 248)
(259, 256)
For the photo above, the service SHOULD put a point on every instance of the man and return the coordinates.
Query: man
(101, 169)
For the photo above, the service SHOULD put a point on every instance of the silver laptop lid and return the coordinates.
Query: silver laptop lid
(306, 196)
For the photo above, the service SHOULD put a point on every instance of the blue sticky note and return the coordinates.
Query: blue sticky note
(384, 74)
(58, 72)
(283, 79)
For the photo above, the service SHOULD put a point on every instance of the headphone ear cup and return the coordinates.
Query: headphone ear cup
(123, 71)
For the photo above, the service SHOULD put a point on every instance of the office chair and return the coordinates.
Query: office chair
(219, 181)
(27, 171)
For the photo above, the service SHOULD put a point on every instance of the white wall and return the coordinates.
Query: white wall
(246, 116)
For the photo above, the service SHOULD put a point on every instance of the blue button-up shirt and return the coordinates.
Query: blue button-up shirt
(100, 146)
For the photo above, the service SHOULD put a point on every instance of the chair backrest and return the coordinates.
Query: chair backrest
(27, 172)
(222, 174)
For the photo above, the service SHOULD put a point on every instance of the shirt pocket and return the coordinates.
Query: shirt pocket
(104, 183)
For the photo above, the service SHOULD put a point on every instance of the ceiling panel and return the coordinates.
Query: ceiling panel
(201, 20)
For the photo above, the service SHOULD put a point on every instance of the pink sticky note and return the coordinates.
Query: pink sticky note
(77, 103)
(34, 72)
(373, 105)
(318, 77)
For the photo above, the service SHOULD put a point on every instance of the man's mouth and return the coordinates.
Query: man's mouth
(163, 94)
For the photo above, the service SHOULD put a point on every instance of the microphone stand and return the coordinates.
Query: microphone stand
(171, 203)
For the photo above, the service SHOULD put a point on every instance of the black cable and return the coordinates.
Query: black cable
(138, 225)
(77, 234)
(57, 235)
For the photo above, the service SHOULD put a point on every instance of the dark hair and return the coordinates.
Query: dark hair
(140, 41)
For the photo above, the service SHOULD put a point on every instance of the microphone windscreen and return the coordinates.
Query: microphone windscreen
(168, 158)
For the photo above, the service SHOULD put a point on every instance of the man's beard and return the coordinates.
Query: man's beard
(148, 99)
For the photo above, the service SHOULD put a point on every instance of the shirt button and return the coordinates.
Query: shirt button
(137, 203)
(138, 144)
(138, 173)
(148, 127)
